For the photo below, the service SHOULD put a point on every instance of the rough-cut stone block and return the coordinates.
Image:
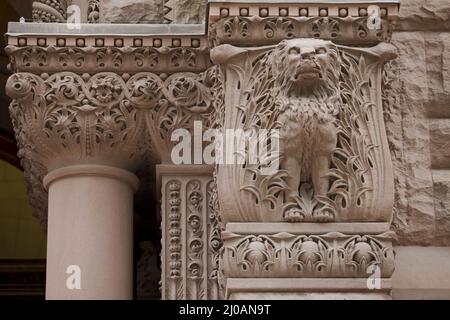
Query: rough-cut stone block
(437, 46)
(424, 15)
(131, 11)
(442, 203)
(417, 143)
(440, 143)
(411, 63)
(188, 11)
(414, 206)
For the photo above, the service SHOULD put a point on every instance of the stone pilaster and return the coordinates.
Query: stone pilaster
(191, 239)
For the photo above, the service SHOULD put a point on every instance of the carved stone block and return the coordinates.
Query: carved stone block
(325, 101)
(131, 11)
(191, 233)
(308, 259)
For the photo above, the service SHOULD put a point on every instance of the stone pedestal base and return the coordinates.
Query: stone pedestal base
(307, 261)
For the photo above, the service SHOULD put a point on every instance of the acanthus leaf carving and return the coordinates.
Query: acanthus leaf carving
(336, 171)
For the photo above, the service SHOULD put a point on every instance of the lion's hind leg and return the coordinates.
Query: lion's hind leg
(320, 173)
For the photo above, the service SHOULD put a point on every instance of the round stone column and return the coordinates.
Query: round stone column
(90, 232)
(79, 138)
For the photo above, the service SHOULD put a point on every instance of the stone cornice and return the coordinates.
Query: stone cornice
(49, 48)
(169, 48)
(307, 8)
(246, 23)
(131, 60)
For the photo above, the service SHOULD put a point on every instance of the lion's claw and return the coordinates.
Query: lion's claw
(294, 215)
(323, 216)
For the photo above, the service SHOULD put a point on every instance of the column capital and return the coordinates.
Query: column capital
(67, 119)
(110, 119)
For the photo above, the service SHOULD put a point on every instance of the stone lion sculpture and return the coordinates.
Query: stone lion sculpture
(306, 74)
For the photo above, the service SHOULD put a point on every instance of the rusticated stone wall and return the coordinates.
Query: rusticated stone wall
(418, 123)
(131, 11)
(152, 11)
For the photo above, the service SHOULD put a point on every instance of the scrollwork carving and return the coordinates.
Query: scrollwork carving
(186, 97)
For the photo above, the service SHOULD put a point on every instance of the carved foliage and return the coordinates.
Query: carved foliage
(332, 255)
(359, 163)
(271, 30)
(178, 101)
(119, 120)
(115, 59)
(65, 116)
(70, 116)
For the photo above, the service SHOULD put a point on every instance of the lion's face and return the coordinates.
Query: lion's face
(303, 64)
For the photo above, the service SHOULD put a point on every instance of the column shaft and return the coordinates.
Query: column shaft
(90, 226)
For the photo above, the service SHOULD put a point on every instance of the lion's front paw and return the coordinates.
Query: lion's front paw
(323, 216)
(294, 215)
